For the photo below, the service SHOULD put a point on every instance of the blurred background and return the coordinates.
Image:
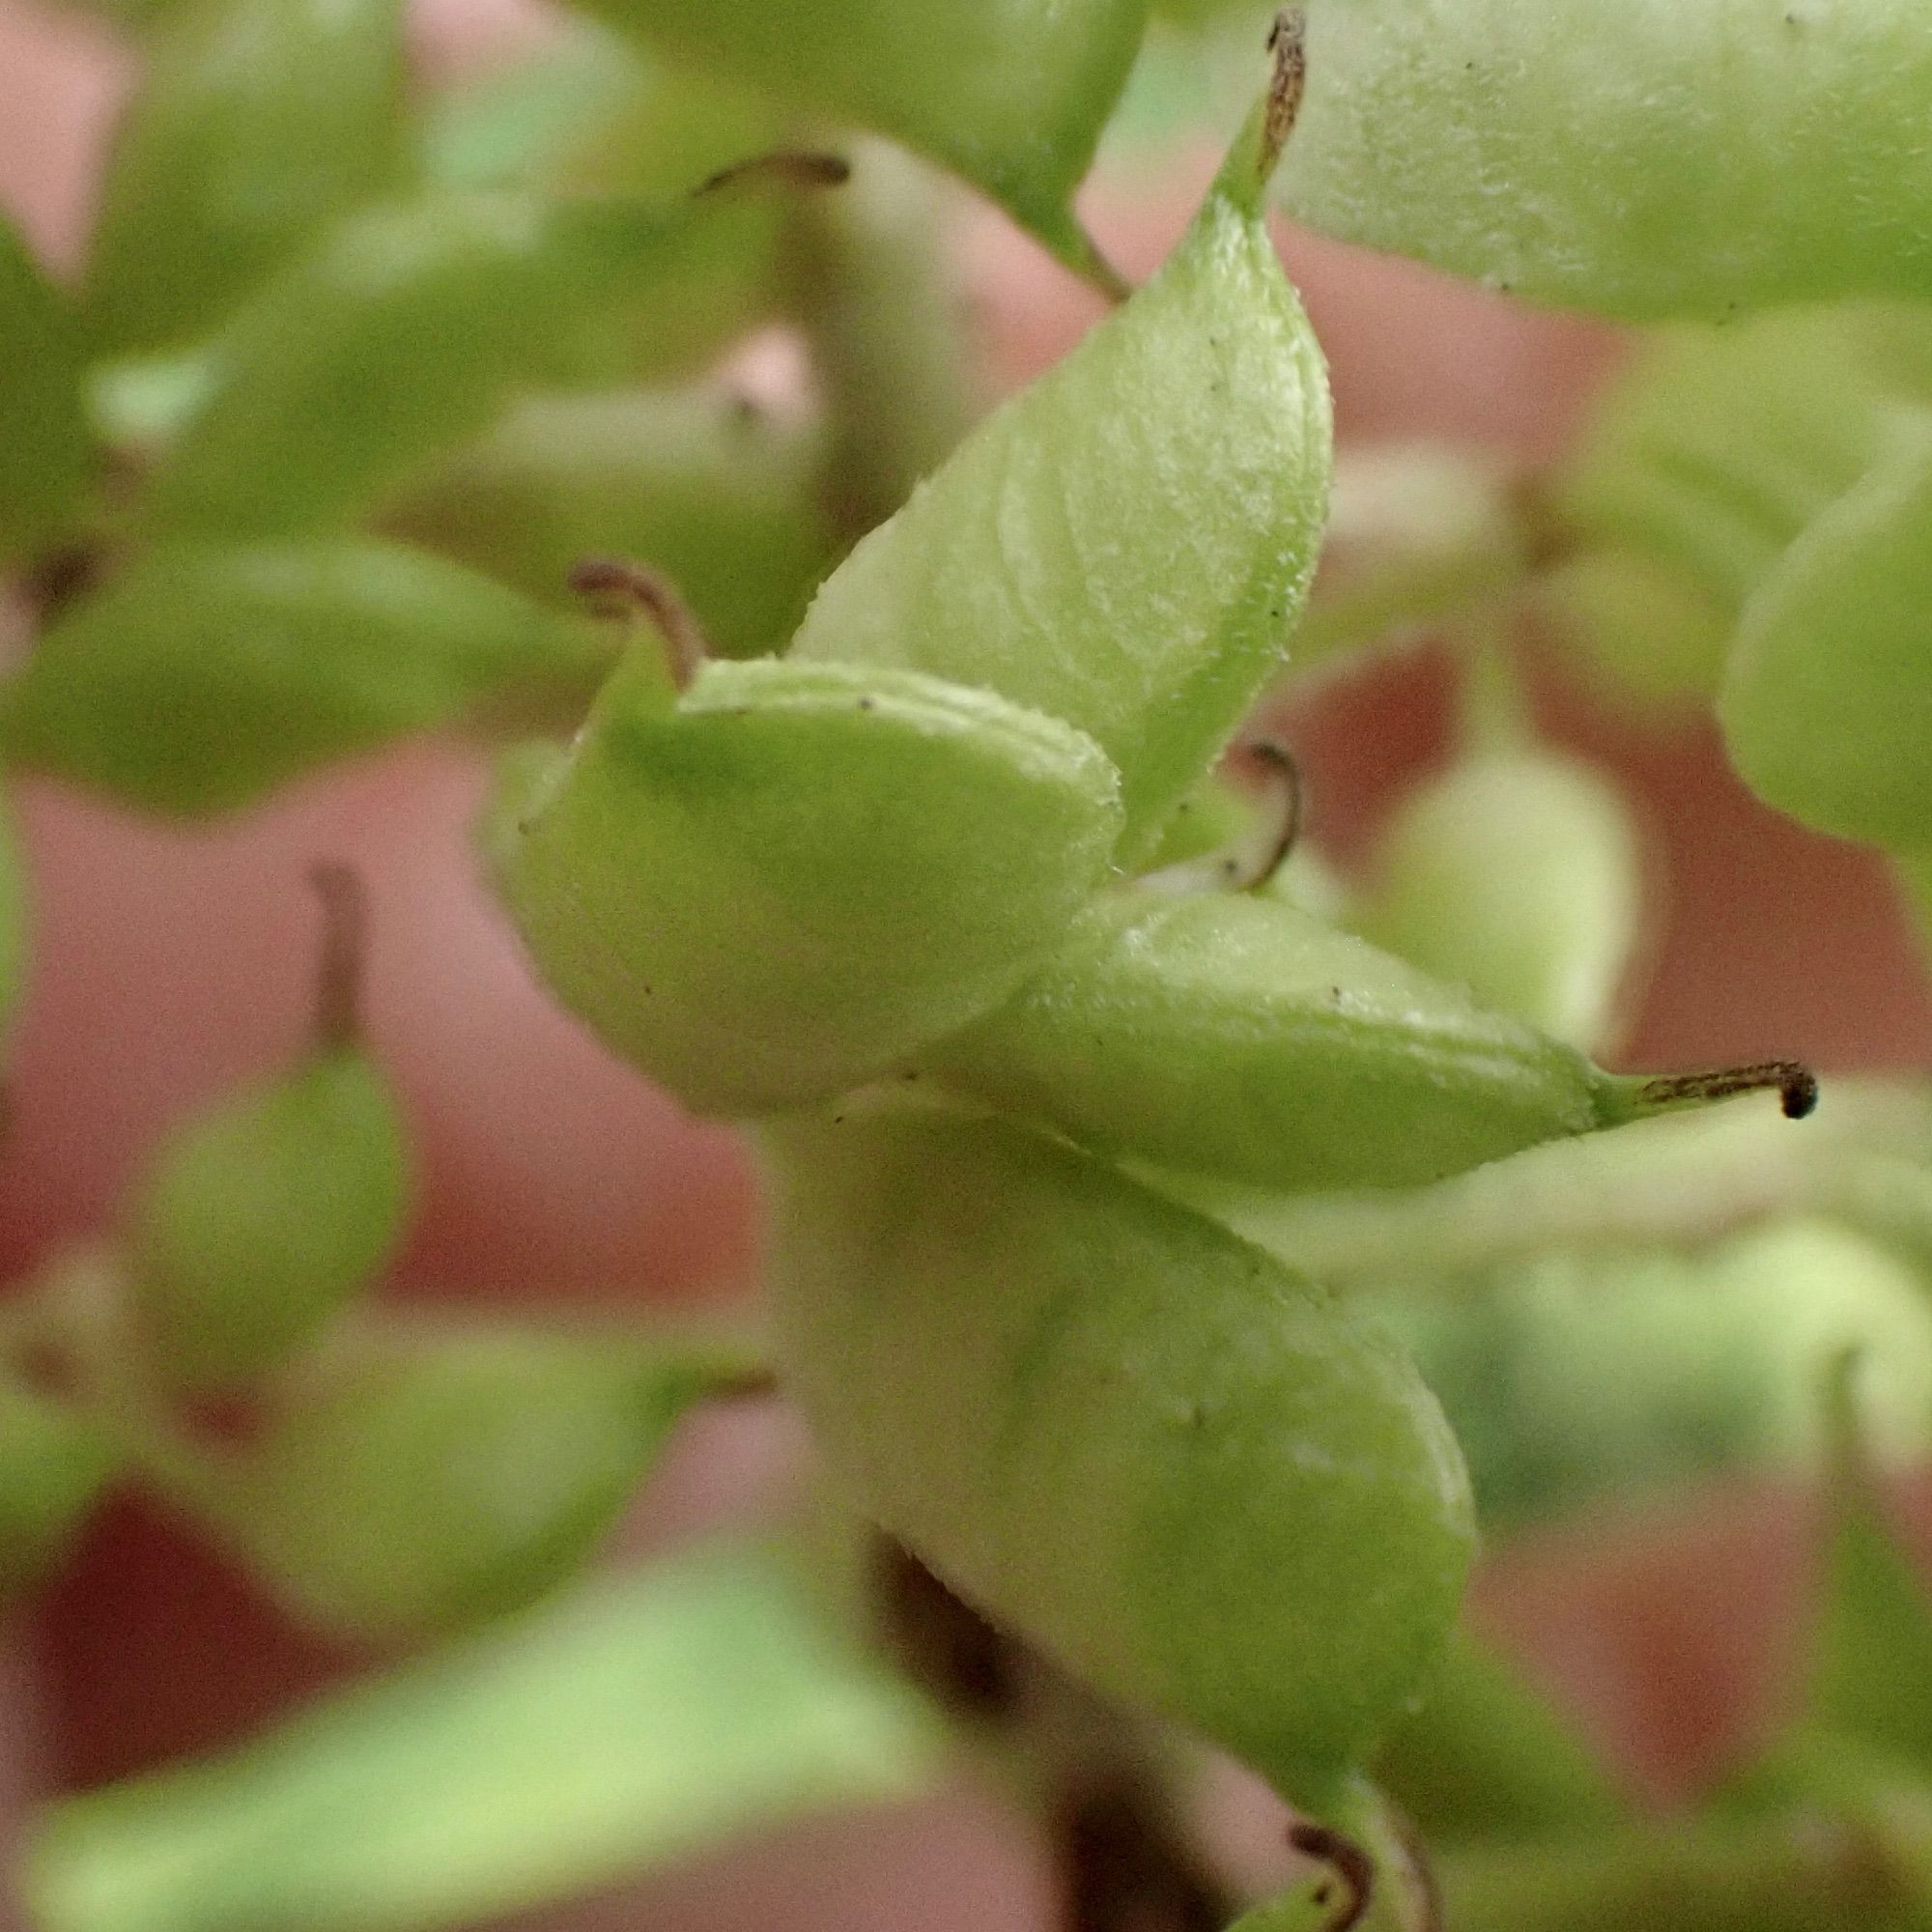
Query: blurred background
(170, 964)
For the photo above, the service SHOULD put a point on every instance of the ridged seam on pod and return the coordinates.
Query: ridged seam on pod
(1128, 543)
(1667, 158)
(1172, 1462)
(792, 876)
(1240, 1037)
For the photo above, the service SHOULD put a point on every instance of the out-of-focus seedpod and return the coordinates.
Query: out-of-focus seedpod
(1175, 1464)
(1705, 459)
(427, 1480)
(54, 1463)
(1487, 1759)
(1128, 543)
(264, 1217)
(406, 330)
(202, 676)
(1520, 876)
(256, 122)
(710, 493)
(43, 438)
(1240, 1037)
(1690, 159)
(1012, 94)
(1576, 1378)
(791, 877)
(877, 296)
(1827, 699)
(590, 113)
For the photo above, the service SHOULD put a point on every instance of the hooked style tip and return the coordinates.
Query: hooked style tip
(613, 586)
(1349, 1861)
(1796, 1085)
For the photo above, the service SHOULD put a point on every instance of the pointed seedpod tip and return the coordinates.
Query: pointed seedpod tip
(1288, 84)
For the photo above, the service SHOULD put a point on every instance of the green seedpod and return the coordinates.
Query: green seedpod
(1578, 1379)
(256, 122)
(406, 331)
(1520, 876)
(1678, 157)
(203, 676)
(1827, 698)
(1487, 1759)
(263, 1218)
(592, 114)
(1243, 1038)
(1012, 94)
(1172, 1462)
(1711, 453)
(715, 496)
(426, 1480)
(1642, 628)
(44, 454)
(54, 1465)
(1126, 544)
(795, 875)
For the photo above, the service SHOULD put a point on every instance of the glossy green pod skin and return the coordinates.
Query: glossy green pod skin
(444, 1478)
(404, 332)
(1012, 94)
(1128, 543)
(1672, 158)
(1177, 1466)
(266, 1216)
(795, 875)
(256, 122)
(1520, 876)
(44, 454)
(1827, 698)
(1241, 1036)
(714, 496)
(203, 676)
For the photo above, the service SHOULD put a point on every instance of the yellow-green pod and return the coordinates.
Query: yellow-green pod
(1520, 876)
(1244, 1037)
(1827, 698)
(443, 1477)
(54, 1464)
(1012, 94)
(264, 1217)
(718, 498)
(793, 875)
(204, 675)
(1175, 1464)
(1706, 458)
(261, 1219)
(44, 452)
(406, 330)
(255, 122)
(1128, 543)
